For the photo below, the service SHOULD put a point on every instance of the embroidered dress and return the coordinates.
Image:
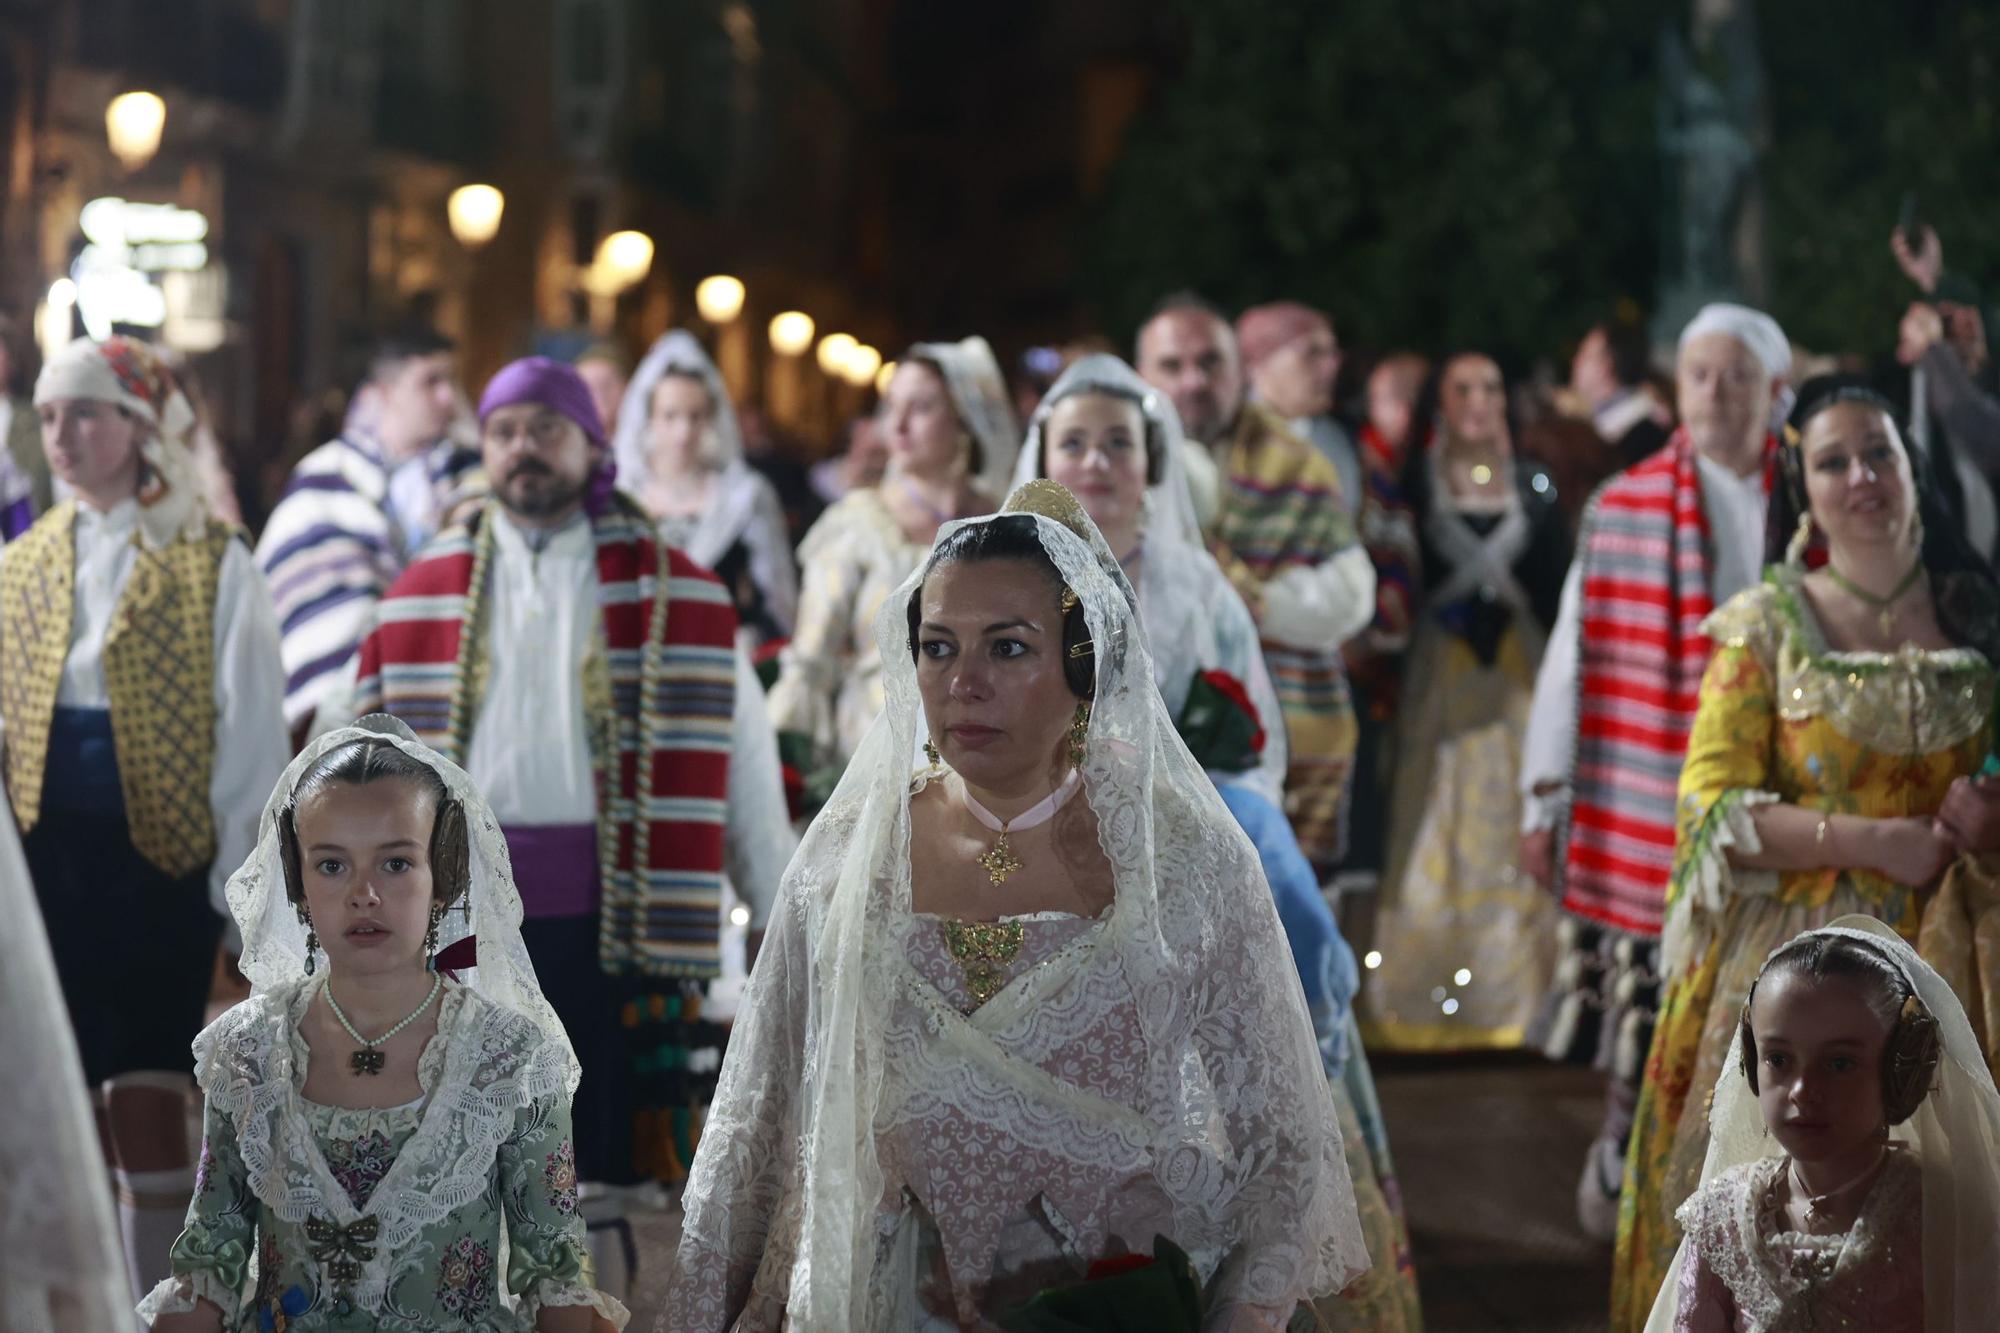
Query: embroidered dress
(387, 1219)
(829, 686)
(1783, 719)
(1467, 941)
(1745, 1271)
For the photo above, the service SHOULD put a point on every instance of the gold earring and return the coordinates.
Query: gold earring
(431, 938)
(1795, 550)
(1068, 600)
(1079, 734)
(312, 939)
(931, 753)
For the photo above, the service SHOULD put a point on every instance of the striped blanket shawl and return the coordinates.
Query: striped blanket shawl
(661, 697)
(1640, 657)
(329, 552)
(1281, 508)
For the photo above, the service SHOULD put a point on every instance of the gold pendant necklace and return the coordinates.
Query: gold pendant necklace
(1885, 607)
(999, 861)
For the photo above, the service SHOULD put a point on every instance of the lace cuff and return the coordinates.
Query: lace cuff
(1704, 880)
(550, 1294)
(179, 1295)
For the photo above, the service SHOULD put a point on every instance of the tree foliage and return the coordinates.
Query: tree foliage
(1441, 173)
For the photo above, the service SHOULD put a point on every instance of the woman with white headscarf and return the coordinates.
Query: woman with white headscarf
(1115, 442)
(680, 455)
(141, 691)
(419, 1177)
(955, 1085)
(952, 439)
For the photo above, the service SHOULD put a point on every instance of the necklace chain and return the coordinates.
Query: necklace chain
(1815, 1203)
(1884, 607)
(368, 1060)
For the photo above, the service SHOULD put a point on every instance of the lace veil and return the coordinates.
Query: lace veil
(1955, 1134)
(1235, 1121)
(742, 496)
(1194, 619)
(274, 940)
(979, 393)
(61, 1264)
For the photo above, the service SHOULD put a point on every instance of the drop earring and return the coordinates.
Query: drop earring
(1795, 550)
(1079, 734)
(931, 753)
(431, 939)
(312, 939)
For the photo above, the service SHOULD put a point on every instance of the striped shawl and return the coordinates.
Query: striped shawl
(661, 698)
(1640, 657)
(331, 549)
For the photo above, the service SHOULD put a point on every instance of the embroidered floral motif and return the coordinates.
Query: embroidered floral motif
(559, 1173)
(465, 1278)
(360, 1163)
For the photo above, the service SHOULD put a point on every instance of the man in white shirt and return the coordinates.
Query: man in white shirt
(587, 677)
(1661, 545)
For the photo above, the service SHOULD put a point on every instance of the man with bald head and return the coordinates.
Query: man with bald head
(1661, 545)
(1272, 510)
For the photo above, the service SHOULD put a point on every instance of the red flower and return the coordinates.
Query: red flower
(1233, 690)
(1122, 1263)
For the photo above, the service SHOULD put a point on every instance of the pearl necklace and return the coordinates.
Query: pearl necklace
(368, 1060)
(999, 860)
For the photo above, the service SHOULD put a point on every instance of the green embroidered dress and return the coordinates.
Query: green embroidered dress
(455, 1211)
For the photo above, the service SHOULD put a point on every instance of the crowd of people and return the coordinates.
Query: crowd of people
(1003, 883)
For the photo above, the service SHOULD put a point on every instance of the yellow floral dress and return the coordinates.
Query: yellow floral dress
(1783, 719)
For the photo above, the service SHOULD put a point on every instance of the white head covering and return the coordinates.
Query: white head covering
(1194, 619)
(1235, 1122)
(1955, 1134)
(745, 507)
(979, 394)
(130, 374)
(675, 352)
(274, 939)
(58, 1245)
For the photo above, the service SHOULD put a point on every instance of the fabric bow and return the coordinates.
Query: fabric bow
(342, 1249)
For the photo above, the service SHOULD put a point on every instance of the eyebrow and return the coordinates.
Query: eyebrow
(380, 847)
(995, 628)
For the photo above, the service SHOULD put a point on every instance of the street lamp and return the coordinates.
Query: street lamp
(791, 332)
(862, 363)
(134, 122)
(474, 212)
(834, 349)
(884, 375)
(623, 259)
(719, 298)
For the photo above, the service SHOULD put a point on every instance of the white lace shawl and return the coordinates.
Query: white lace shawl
(1195, 621)
(1955, 1135)
(1235, 1123)
(979, 395)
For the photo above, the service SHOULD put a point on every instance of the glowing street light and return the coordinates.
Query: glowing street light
(623, 259)
(834, 349)
(474, 212)
(862, 363)
(791, 333)
(134, 122)
(886, 373)
(719, 298)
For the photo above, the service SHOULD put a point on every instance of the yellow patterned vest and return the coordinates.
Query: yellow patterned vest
(159, 669)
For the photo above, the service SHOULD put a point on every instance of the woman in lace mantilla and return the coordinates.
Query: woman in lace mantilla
(421, 1178)
(1024, 1009)
(680, 455)
(1838, 709)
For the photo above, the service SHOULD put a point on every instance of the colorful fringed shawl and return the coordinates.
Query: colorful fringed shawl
(1281, 508)
(661, 697)
(1640, 658)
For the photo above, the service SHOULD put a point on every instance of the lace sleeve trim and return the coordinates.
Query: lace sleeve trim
(181, 1293)
(1706, 880)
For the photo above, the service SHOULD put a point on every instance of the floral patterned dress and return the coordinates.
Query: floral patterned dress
(382, 1219)
(1783, 718)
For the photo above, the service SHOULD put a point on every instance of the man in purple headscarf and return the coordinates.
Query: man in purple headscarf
(586, 676)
